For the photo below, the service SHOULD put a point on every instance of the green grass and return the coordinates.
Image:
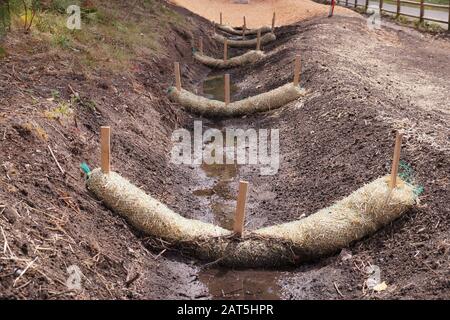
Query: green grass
(424, 26)
(61, 40)
(443, 2)
(110, 34)
(2, 52)
(435, 1)
(63, 110)
(427, 26)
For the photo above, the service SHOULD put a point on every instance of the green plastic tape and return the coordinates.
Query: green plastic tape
(85, 168)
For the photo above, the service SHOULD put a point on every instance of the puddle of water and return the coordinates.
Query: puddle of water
(213, 88)
(242, 284)
(220, 198)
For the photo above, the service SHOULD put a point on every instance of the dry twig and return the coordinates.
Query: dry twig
(56, 160)
(24, 271)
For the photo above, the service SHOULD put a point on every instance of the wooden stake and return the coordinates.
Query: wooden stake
(297, 70)
(258, 40)
(227, 89)
(221, 21)
(225, 50)
(449, 16)
(105, 142)
(396, 160)
(177, 75)
(422, 10)
(200, 45)
(273, 22)
(240, 208)
(244, 28)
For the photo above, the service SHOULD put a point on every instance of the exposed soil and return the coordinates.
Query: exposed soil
(363, 85)
(259, 13)
(50, 216)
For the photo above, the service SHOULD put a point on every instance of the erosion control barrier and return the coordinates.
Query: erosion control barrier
(213, 108)
(270, 100)
(362, 213)
(239, 31)
(250, 43)
(325, 232)
(243, 30)
(245, 59)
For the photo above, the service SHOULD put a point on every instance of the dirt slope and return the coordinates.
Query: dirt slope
(48, 218)
(363, 86)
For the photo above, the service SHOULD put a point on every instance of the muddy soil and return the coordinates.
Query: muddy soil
(363, 85)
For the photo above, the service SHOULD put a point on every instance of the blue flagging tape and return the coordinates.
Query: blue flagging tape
(85, 168)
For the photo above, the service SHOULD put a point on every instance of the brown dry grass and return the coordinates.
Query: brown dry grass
(259, 12)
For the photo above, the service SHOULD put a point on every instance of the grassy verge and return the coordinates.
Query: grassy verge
(112, 33)
(443, 2)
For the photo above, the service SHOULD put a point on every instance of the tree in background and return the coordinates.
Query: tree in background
(30, 8)
(5, 17)
(26, 10)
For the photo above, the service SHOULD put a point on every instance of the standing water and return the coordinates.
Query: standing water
(214, 88)
(221, 199)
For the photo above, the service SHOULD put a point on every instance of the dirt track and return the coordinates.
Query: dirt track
(259, 12)
(363, 85)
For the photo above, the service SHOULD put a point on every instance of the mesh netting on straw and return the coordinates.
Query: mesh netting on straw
(406, 173)
(245, 59)
(238, 32)
(265, 39)
(213, 108)
(362, 213)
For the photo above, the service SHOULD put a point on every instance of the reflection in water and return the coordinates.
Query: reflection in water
(242, 284)
(214, 88)
(221, 199)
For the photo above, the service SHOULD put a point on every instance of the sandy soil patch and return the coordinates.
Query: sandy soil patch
(258, 12)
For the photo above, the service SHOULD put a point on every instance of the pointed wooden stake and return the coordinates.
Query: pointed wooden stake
(396, 160)
(227, 89)
(244, 28)
(240, 208)
(258, 40)
(225, 50)
(221, 21)
(297, 68)
(177, 75)
(273, 22)
(105, 146)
